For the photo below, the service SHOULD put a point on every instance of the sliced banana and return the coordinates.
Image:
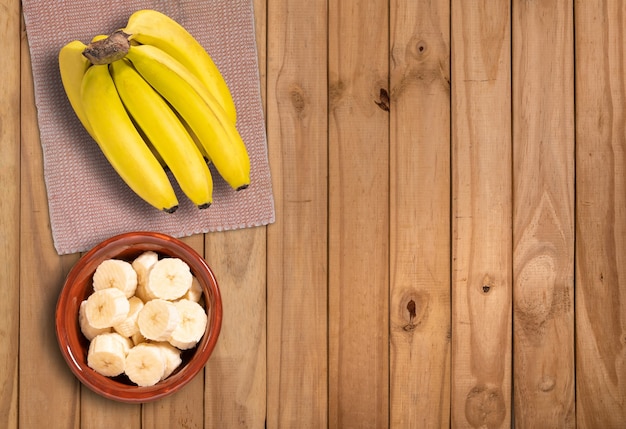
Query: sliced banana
(106, 308)
(85, 327)
(172, 358)
(195, 291)
(125, 342)
(137, 338)
(107, 354)
(142, 265)
(129, 327)
(157, 319)
(193, 321)
(145, 364)
(169, 278)
(143, 334)
(115, 273)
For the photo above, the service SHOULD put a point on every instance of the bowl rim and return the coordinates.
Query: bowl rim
(105, 386)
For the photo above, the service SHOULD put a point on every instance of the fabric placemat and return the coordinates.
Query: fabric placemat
(88, 202)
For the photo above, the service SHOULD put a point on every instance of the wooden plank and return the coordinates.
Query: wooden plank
(481, 209)
(235, 375)
(543, 223)
(601, 215)
(297, 243)
(420, 215)
(10, 33)
(48, 391)
(358, 214)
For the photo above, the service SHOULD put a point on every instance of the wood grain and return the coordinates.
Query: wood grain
(358, 214)
(419, 394)
(297, 243)
(543, 268)
(481, 209)
(48, 390)
(601, 214)
(98, 412)
(10, 34)
(235, 375)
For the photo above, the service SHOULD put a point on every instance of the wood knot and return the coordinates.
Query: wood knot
(411, 309)
(383, 101)
(417, 48)
(421, 48)
(485, 407)
(547, 383)
(487, 284)
(297, 97)
(415, 311)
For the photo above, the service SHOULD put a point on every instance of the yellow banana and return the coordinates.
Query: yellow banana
(199, 109)
(149, 27)
(120, 141)
(165, 132)
(73, 65)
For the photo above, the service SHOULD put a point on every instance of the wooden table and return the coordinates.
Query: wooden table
(450, 236)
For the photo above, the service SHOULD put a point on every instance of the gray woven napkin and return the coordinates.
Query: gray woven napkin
(87, 201)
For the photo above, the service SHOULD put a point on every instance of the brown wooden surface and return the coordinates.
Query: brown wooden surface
(450, 236)
(543, 229)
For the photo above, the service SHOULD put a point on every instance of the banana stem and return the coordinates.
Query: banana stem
(105, 51)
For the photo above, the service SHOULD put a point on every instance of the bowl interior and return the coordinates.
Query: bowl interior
(78, 286)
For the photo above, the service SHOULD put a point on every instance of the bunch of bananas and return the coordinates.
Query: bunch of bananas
(153, 99)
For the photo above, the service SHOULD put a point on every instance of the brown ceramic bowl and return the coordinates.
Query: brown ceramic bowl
(78, 286)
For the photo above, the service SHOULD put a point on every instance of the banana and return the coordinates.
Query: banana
(172, 358)
(106, 308)
(129, 327)
(149, 27)
(165, 132)
(157, 319)
(145, 364)
(72, 66)
(195, 291)
(85, 327)
(107, 354)
(193, 321)
(121, 143)
(115, 273)
(198, 108)
(126, 343)
(169, 279)
(142, 265)
(137, 338)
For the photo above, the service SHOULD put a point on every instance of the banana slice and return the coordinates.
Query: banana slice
(107, 354)
(145, 364)
(169, 278)
(85, 327)
(195, 291)
(172, 358)
(129, 327)
(157, 319)
(115, 273)
(137, 338)
(126, 342)
(106, 308)
(193, 321)
(142, 265)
